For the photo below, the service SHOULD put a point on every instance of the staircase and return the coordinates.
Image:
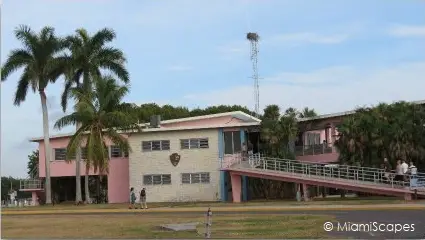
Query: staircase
(341, 175)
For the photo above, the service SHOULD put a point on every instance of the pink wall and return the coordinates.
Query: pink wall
(118, 177)
(211, 121)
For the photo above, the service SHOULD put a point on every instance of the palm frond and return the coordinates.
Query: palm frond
(16, 59)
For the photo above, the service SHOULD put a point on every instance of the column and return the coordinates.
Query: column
(244, 178)
(333, 132)
(298, 192)
(306, 192)
(34, 198)
(223, 187)
(236, 187)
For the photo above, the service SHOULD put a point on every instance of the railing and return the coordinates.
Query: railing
(316, 149)
(31, 184)
(360, 175)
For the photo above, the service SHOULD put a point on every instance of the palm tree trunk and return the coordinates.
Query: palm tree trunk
(47, 150)
(86, 186)
(78, 197)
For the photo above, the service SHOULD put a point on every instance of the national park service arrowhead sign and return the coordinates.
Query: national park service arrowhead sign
(174, 159)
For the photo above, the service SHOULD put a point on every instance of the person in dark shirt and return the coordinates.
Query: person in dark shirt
(143, 199)
(387, 170)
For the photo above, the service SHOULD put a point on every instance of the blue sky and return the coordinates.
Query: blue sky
(330, 55)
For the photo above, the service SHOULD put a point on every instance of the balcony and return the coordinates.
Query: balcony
(31, 185)
(316, 149)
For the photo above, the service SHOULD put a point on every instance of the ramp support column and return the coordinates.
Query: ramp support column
(407, 196)
(306, 192)
(236, 187)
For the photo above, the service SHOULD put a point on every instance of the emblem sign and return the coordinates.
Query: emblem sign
(175, 159)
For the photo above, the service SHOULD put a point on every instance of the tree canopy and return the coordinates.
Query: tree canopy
(395, 131)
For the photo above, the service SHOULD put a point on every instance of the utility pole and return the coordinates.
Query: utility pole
(208, 224)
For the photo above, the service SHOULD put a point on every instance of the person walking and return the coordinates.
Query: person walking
(132, 199)
(143, 204)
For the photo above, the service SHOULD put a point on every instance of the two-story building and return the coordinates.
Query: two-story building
(175, 160)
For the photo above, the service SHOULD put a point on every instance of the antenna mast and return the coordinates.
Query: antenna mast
(253, 38)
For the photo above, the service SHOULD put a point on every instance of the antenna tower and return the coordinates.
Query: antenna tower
(253, 38)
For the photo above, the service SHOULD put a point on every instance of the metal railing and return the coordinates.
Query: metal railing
(360, 175)
(31, 184)
(316, 149)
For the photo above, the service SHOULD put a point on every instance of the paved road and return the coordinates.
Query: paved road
(415, 219)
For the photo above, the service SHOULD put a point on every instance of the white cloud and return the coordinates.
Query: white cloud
(180, 68)
(407, 31)
(328, 90)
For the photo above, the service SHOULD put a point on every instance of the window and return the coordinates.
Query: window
(60, 153)
(192, 178)
(156, 179)
(158, 145)
(312, 139)
(232, 142)
(194, 143)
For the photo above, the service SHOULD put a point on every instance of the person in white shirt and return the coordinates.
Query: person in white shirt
(413, 171)
(404, 167)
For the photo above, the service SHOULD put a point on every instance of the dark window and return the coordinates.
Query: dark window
(116, 152)
(194, 143)
(157, 179)
(157, 145)
(60, 153)
(232, 142)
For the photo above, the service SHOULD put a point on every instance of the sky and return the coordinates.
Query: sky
(332, 55)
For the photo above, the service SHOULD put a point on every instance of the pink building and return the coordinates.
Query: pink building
(200, 141)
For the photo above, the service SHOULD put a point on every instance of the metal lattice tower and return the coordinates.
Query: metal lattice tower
(253, 38)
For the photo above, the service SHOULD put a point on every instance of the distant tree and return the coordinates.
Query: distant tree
(32, 166)
(307, 113)
(395, 131)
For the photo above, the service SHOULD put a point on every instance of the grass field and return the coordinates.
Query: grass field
(146, 226)
(327, 201)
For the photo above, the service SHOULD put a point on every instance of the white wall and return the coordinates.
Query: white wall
(192, 161)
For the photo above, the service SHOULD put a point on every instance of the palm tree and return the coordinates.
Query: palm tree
(307, 113)
(41, 66)
(89, 56)
(101, 118)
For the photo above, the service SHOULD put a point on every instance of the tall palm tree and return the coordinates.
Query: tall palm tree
(89, 56)
(101, 117)
(41, 65)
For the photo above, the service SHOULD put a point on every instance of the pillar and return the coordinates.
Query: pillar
(236, 187)
(244, 178)
(34, 198)
(306, 192)
(223, 186)
(298, 192)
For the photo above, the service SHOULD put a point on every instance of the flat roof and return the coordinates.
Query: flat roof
(248, 121)
(341, 114)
